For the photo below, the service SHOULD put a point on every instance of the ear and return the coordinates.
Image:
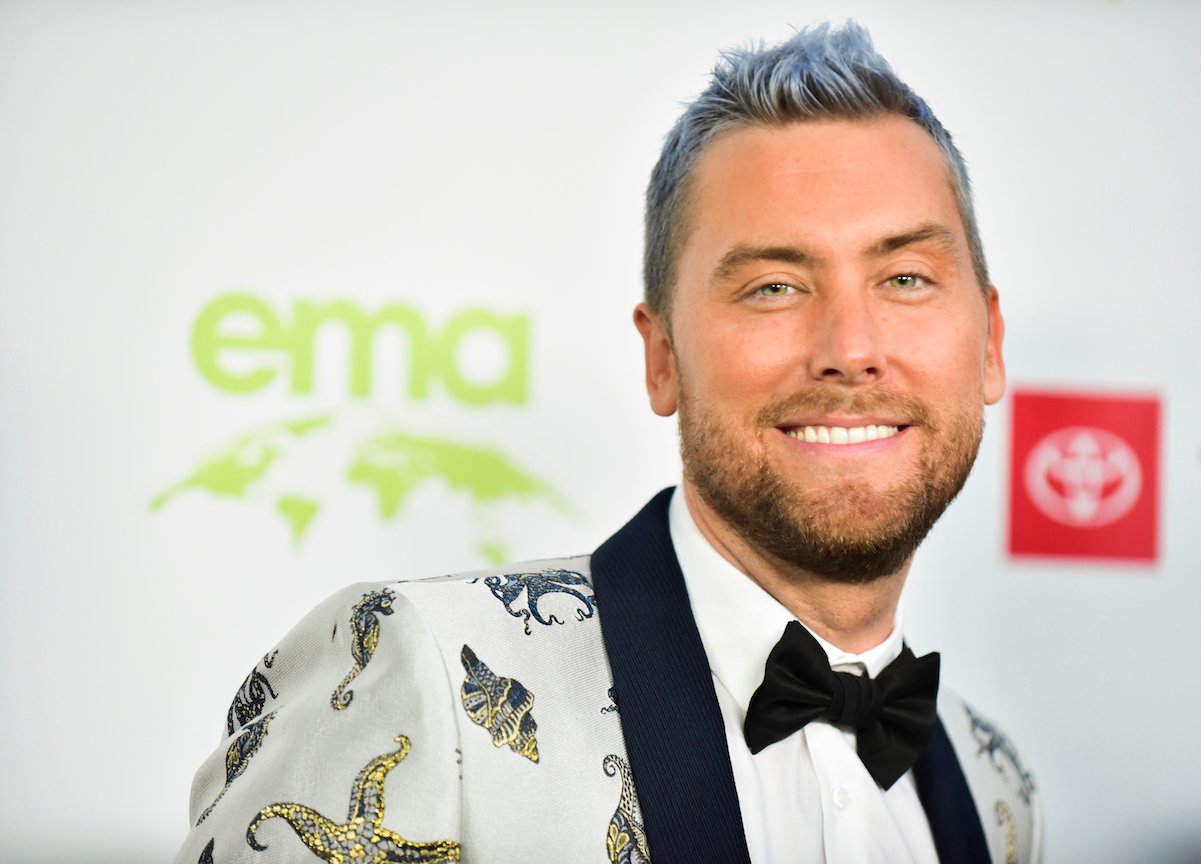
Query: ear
(661, 384)
(994, 360)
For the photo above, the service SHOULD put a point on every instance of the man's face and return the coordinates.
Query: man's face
(830, 351)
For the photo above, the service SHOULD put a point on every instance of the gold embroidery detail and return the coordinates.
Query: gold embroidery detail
(616, 841)
(500, 705)
(364, 629)
(362, 839)
(238, 754)
(625, 841)
(1005, 817)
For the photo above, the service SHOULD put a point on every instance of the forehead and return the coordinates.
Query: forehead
(829, 186)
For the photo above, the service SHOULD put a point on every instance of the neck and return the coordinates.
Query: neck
(850, 616)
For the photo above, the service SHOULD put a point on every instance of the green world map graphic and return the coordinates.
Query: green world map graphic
(391, 463)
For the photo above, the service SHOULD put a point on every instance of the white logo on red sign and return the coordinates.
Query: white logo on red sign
(1083, 476)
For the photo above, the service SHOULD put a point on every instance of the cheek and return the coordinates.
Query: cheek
(954, 369)
(741, 361)
(947, 340)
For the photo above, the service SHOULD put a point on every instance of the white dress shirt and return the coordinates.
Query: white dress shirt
(807, 798)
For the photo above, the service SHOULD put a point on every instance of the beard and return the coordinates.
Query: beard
(853, 535)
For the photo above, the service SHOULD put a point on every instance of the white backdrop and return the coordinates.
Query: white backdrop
(155, 158)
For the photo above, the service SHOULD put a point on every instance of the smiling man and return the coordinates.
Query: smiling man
(829, 348)
(725, 679)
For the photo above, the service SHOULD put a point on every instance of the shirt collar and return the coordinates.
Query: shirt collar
(739, 622)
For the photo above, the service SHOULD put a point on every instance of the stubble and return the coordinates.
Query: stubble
(854, 534)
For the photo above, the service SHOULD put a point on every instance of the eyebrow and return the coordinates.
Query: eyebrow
(932, 233)
(935, 234)
(747, 254)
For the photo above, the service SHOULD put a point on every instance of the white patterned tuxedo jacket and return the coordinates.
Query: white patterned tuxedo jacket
(560, 711)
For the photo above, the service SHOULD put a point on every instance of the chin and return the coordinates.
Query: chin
(852, 534)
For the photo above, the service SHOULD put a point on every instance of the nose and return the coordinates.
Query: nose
(845, 340)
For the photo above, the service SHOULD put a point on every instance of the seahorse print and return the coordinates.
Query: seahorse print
(364, 626)
(507, 589)
(362, 838)
(611, 708)
(626, 839)
(993, 742)
(206, 856)
(237, 756)
(1005, 817)
(251, 697)
(500, 705)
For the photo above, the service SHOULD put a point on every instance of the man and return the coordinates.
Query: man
(819, 314)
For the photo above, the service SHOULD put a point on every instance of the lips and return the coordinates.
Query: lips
(841, 434)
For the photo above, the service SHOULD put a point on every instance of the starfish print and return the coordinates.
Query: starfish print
(362, 839)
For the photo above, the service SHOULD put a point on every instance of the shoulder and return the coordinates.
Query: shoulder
(400, 674)
(533, 591)
(1002, 784)
(541, 592)
(420, 626)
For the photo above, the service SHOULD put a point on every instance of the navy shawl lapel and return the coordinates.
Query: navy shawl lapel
(947, 800)
(663, 688)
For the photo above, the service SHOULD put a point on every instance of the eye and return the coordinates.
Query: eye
(774, 289)
(906, 281)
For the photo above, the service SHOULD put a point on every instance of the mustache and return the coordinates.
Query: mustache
(827, 400)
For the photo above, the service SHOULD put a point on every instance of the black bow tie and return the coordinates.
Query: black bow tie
(893, 714)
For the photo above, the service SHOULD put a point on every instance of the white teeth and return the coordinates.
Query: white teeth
(842, 434)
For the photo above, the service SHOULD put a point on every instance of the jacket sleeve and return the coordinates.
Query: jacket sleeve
(340, 744)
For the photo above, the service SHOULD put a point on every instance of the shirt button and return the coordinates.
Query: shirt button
(842, 797)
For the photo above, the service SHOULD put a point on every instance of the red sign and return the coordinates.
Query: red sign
(1084, 475)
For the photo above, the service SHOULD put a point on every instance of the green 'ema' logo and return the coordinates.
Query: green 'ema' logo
(243, 324)
(241, 345)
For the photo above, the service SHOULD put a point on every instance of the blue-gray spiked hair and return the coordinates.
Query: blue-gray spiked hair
(818, 74)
